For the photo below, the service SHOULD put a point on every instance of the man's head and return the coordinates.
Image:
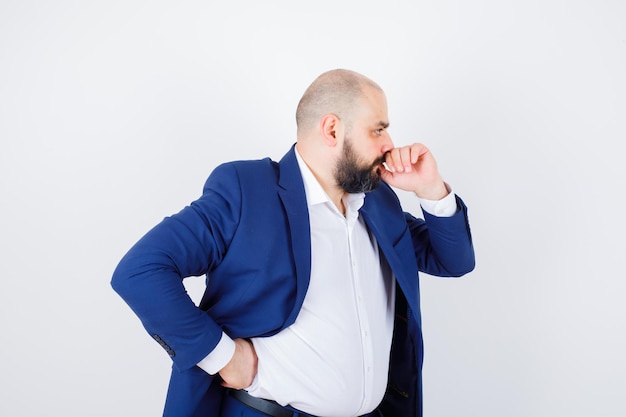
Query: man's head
(342, 121)
(334, 92)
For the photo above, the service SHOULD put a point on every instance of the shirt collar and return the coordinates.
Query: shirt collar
(313, 190)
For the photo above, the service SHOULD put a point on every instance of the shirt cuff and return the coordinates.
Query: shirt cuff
(446, 207)
(219, 357)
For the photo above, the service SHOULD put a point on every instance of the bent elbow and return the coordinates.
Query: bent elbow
(122, 280)
(119, 280)
(468, 265)
(463, 264)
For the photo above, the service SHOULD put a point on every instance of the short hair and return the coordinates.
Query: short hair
(337, 92)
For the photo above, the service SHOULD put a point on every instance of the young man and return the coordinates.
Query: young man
(312, 299)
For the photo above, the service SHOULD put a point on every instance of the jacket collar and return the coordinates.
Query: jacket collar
(292, 194)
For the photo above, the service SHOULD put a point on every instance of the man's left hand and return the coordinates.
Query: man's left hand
(413, 168)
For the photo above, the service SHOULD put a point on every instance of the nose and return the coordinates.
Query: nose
(387, 143)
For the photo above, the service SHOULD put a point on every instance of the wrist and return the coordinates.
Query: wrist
(434, 193)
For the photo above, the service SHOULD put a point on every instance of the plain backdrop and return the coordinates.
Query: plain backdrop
(113, 113)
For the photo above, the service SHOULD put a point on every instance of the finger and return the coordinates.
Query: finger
(226, 384)
(234, 385)
(417, 150)
(415, 153)
(406, 159)
(394, 160)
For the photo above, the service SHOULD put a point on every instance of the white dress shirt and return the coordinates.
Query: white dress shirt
(333, 361)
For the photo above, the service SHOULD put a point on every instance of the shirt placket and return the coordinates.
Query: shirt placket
(364, 325)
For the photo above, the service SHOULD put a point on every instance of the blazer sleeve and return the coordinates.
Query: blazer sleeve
(443, 245)
(190, 243)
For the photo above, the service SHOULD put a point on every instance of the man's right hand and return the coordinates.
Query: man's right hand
(242, 368)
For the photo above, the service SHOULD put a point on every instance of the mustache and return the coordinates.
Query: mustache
(380, 160)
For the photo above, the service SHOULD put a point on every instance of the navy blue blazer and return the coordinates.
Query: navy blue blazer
(249, 233)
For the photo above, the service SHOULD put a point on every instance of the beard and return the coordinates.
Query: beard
(354, 178)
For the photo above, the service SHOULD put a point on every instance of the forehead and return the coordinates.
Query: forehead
(372, 107)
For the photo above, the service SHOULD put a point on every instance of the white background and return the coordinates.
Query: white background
(113, 113)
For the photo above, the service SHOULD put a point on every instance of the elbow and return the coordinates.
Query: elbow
(121, 281)
(464, 265)
(468, 264)
(468, 268)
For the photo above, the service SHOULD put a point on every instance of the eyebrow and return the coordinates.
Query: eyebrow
(383, 124)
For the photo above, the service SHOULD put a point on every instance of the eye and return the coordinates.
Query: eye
(378, 132)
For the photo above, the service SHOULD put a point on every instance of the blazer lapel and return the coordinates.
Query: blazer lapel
(293, 197)
(395, 243)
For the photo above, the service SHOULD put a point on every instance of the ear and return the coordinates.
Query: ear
(331, 129)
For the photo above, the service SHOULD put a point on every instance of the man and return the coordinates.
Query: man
(312, 298)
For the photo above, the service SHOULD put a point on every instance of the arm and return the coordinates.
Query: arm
(442, 241)
(443, 245)
(149, 277)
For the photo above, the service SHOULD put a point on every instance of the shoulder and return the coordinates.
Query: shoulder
(244, 173)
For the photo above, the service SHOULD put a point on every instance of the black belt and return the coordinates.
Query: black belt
(271, 408)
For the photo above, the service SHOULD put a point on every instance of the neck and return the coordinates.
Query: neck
(318, 164)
